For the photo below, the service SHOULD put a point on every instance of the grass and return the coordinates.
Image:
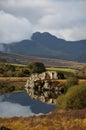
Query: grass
(19, 65)
(57, 120)
(61, 69)
(17, 82)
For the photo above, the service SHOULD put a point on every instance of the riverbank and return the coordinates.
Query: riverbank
(57, 120)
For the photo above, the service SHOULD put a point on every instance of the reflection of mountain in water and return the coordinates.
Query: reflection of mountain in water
(23, 100)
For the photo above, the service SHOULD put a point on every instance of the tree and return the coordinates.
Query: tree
(36, 67)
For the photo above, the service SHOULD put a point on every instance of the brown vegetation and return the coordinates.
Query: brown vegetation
(57, 120)
(51, 62)
(19, 82)
(12, 84)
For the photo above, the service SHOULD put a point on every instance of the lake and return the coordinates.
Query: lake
(20, 104)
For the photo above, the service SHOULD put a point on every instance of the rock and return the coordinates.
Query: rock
(43, 87)
(42, 98)
(46, 85)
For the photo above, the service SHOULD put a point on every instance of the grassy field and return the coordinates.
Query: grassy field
(18, 65)
(61, 69)
(57, 120)
(19, 83)
(15, 83)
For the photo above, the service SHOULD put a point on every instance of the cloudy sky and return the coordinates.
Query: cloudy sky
(20, 18)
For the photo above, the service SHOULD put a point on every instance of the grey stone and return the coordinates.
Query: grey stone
(41, 87)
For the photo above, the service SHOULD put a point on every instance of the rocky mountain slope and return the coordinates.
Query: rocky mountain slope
(47, 45)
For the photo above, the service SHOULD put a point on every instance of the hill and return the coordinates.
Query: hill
(51, 62)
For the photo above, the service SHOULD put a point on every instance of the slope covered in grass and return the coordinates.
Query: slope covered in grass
(57, 120)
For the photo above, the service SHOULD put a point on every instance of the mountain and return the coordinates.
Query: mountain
(47, 45)
(82, 57)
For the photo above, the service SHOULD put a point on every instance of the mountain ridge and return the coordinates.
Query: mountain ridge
(48, 45)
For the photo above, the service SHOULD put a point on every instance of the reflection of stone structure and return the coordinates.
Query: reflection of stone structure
(43, 86)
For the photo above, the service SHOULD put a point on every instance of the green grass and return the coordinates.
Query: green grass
(19, 65)
(68, 70)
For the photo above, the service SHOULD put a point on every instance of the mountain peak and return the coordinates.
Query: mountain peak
(44, 35)
(47, 45)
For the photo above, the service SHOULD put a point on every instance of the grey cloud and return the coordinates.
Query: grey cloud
(13, 28)
(55, 16)
(68, 21)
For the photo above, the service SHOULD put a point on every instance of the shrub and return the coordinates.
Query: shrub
(60, 75)
(22, 72)
(75, 98)
(82, 73)
(36, 67)
(70, 82)
(5, 87)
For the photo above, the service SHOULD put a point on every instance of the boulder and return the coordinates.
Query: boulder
(44, 86)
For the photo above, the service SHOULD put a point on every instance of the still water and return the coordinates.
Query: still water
(20, 104)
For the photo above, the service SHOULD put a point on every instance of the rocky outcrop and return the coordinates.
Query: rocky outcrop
(44, 87)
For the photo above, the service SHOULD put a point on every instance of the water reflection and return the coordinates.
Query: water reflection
(20, 104)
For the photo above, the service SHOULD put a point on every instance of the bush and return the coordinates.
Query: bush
(7, 70)
(22, 72)
(82, 73)
(5, 87)
(70, 82)
(75, 98)
(36, 67)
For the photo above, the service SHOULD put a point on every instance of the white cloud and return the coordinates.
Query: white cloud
(64, 18)
(67, 21)
(13, 28)
(76, 33)
(8, 109)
